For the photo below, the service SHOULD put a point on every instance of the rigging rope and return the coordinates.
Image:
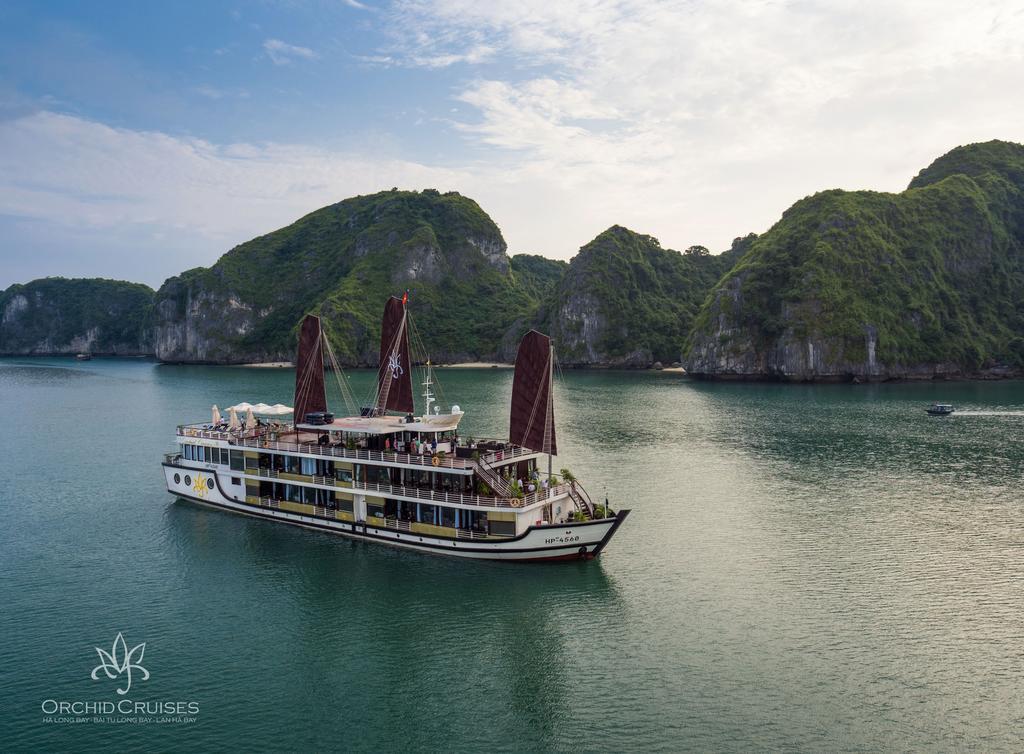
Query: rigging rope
(342, 379)
(442, 399)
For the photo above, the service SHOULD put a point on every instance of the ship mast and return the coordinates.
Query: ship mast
(551, 387)
(428, 397)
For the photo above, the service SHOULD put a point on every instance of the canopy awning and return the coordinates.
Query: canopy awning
(278, 409)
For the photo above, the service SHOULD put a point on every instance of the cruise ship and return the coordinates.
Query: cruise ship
(387, 475)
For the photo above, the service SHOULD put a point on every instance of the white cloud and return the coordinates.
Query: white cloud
(692, 122)
(282, 53)
(706, 120)
(476, 54)
(188, 200)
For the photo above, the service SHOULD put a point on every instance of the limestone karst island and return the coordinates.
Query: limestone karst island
(846, 285)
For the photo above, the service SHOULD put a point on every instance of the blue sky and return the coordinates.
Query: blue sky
(141, 139)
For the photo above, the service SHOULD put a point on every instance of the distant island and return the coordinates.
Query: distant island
(860, 286)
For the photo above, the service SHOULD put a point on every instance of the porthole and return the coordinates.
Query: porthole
(210, 483)
(188, 480)
(177, 478)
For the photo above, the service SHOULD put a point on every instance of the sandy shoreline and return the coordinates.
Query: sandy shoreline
(460, 365)
(477, 365)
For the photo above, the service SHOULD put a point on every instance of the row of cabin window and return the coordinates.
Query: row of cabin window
(310, 495)
(211, 455)
(403, 510)
(290, 464)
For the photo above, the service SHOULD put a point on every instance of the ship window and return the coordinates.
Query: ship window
(308, 466)
(506, 528)
(211, 483)
(237, 460)
(447, 516)
(201, 453)
(292, 464)
(236, 480)
(343, 475)
(188, 480)
(177, 478)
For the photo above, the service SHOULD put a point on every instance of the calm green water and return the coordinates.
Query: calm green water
(806, 568)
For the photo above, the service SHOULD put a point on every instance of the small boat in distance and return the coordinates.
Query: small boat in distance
(940, 409)
(83, 356)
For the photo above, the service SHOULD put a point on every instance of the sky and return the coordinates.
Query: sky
(141, 139)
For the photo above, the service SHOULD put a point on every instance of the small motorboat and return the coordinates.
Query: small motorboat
(83, 356)
(940, 409)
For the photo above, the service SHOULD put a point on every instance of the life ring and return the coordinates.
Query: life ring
(436, 461)
(516, 502)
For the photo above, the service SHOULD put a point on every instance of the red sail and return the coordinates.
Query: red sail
(394, 375)
(310, 395)
(532, 418)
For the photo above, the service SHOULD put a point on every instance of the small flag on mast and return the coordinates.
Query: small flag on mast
(405, 298)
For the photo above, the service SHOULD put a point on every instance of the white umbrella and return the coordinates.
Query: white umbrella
(250, 419)
(233, 422)
(215, 414)
(263, 409)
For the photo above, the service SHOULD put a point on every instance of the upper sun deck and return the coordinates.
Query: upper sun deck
(388, 425)
(464, 456)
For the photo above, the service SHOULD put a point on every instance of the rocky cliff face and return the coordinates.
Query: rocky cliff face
(626, 302)
(870, 286)
(57, 316)
(342, 262)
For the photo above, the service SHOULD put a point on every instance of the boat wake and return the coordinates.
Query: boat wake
(989, 413)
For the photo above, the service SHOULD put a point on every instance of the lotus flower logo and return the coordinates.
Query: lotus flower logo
(200, 486)
(119, 661)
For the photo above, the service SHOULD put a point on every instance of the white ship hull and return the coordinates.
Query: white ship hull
(578, 540)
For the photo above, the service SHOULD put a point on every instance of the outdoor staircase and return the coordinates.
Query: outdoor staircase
(494, 480)
(582, 502)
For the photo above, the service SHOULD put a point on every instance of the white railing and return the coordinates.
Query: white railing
(336, 451)
(456, 498)
(459, 498)
(204, 434)
(497, 456)
(470, 534)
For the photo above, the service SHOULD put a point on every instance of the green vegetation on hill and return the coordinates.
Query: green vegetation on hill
(934, 273)
(929, 280)
(61, 315)
(537, 276)
(342, 262)
(625, 300)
